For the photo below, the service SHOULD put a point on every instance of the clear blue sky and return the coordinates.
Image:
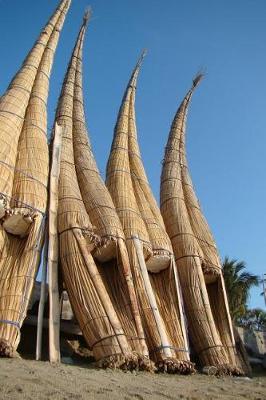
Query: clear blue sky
(227, 121)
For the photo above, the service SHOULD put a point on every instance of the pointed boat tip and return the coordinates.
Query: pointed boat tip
(198, 78)
(87, 16)
(144, 53)
(141, 58)
(65, 3)
(136, 70)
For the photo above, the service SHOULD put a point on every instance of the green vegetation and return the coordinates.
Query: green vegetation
(238, 283)
(254, 319)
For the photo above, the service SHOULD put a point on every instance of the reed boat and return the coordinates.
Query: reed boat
(24, 167)
(93, 253)
(196, 255)
(149, 247)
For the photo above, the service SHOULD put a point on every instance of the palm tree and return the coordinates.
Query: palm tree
(238, 283)
(255, 318)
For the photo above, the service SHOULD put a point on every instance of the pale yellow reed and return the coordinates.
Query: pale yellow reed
(197, 259)
(23, 180)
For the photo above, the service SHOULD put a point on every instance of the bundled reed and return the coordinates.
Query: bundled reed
(196, 255)
(93, 255)
(149, 247)
(23, 181)
(107, 226)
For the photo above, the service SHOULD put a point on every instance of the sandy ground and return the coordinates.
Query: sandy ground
(23, 379)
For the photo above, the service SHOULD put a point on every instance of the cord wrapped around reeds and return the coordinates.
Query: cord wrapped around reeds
(149, 248)
(197, 260)
(23, 180)
(93, 256)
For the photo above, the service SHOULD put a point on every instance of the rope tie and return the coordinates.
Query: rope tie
(159, 348)
(23, 173)
(196, 237)
(179, 198)
(12, 113)
(8, 322)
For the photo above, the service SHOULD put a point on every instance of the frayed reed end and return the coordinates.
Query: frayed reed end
(229, 370)
(143, 54)
(198, 78)
(87, 16)
(91, 237)
(145, 364)
(133, 362)
(222, 370)
(211, 270)
(173, 366)
(119, 361)
(6, 349)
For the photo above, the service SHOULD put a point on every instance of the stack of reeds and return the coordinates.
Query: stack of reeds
(23, 179)
(149, 247)
(198, 264)
(93, 255)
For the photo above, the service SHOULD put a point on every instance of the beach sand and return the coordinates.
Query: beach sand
(28, 380)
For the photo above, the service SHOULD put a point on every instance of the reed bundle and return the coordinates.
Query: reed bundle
(14, 102)
(23, 182)
(148, 245)
(196, 255)
(102, 213)
(93, 255)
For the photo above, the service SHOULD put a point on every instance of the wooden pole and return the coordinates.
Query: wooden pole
(166, 348)
(227, 310)
(132, 295)
(54, 306)
(42, 300)
(183, 318)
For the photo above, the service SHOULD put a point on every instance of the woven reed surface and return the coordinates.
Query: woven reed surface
(86, 302)
(18, 267)
(118, 178)
(164, 287)
(115, 283)
(149, 323)
(97, 199)
(71, 209)
(32, 163)
(176, 186)
(99, 294)
(218, 307)
(106, 223)
(140, 215)
(147, 204)
(20, 257)
(14, 102)
(194, 250)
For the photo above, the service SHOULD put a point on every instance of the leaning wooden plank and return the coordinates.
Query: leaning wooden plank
(42, 300)
(53, 253)
(165, 345)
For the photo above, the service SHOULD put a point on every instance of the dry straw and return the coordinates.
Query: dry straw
(148, 245)
(93, 255)
(23, 182)
(107, 226)
(197, 259)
